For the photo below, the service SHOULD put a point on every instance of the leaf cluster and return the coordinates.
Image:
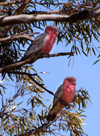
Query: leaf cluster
(31, 118)
(80, 34)
(28, 116)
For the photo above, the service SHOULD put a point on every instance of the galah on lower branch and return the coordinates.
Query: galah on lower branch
(65, 92)
(43, 43)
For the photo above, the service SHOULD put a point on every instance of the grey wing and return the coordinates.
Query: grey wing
(35, 46)
(59, 94)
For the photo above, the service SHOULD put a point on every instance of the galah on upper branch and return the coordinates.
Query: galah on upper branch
(43, 43)
(65, 92)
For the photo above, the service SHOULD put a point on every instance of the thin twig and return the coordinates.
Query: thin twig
(33, 131)
(37, 130)
(58, 54)
(39, 84)
(23, 73)
(45, 125)
(3, 111)
(21, 1)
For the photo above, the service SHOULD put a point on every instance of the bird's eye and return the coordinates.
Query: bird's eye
(54, 30)
(71, 80)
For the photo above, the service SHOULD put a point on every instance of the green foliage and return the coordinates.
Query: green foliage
(80, 34)
(19, 116)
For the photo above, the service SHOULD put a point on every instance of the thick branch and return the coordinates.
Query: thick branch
(17, 12)
(21, 8)
(44, 17)
(32, 60)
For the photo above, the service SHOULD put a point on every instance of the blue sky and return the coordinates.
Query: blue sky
(87, 75)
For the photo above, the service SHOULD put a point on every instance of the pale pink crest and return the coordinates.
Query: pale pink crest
(52, 30)
(71, 80)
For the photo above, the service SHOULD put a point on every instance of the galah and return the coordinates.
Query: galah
(65, 92)
(43, 43)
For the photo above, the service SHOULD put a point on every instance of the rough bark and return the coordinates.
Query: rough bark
(17, 19)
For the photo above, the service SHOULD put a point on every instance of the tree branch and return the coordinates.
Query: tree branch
(45, 3)
(18, 36)
(32, 60)
(21, 1)
(11, 2)
(44, 17)
(38, 129)
(47, 124)
(17, 12)
(39, 84)
(35, 131)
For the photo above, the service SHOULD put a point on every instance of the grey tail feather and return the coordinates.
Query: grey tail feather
(25, 57)
(22, 59)
(51, 117)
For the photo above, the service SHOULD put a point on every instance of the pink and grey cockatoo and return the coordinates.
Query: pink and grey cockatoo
(65, 92)
(43, 43)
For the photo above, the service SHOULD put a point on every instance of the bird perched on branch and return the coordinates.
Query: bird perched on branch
(65, 92)
(43, 43)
